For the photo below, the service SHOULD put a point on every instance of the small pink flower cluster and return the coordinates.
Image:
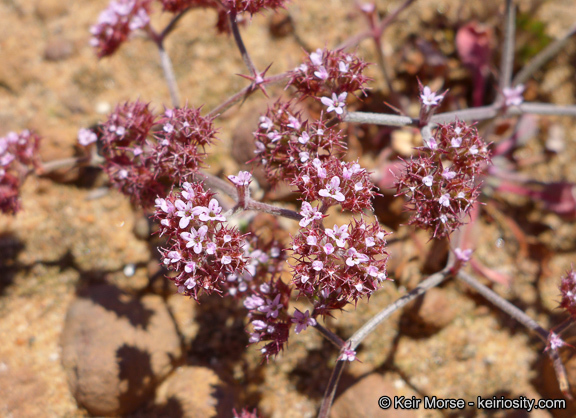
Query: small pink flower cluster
(568, 292)
(268, 315)
(146, 154)
(202, 249)
(284, 142)
(115, 24)
(441, 184)
(330, 76)
(334, 182)
(18, 154)
(339, 265)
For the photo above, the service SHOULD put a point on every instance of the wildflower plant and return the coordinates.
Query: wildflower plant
(157, 159)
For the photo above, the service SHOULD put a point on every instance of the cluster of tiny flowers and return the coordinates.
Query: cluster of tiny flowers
(263, 261)
(202, 249)
(335, 182)
(117, 22)
(268, 315)
(18, 154)
(330, 76)
(440, 184)
(146, 154)
(339, 265)
(284, 142)
(568, 292)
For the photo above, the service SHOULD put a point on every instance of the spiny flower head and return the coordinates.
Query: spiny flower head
(117, 22)
(181, 141)
(202, 249)
(127, 151)
(335, 266)
(18, 155)
(441, 184)
(334, 182)
(329, 74)
(146, 154)
(285, 142)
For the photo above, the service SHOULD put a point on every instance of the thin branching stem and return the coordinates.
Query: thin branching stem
(172, 24)
(381, 316)
(379, 119)
(331, 390)
(166, 64)
(245, 92)
(169, 76)
(216, 183)
(240, 44)
(504, 305)
(330, 336)
(473, 114)
(525, 320)
(508, 46)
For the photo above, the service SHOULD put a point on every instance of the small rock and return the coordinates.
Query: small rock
(58, 49)
(116, 349)
(361, 399)
(210, 396)
(433, 309)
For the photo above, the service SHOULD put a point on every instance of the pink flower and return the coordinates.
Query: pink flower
(172, 257)
(302, 321)
(347, 355)
(513, 95)
(271, 307)
(317, 265)
(211, 213)
(322, 74)
(463, 255)
(194, 238)
(316, 57)
(444, 200)
(355, 258)
(554, 341)
(242, 179)
(429, 98)
(447, 174)
(304, 138)
(333, 190)
(185, 212)
(335, 104)
(309, 213)
(86, 137)
(428, 181)
(338, 234)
